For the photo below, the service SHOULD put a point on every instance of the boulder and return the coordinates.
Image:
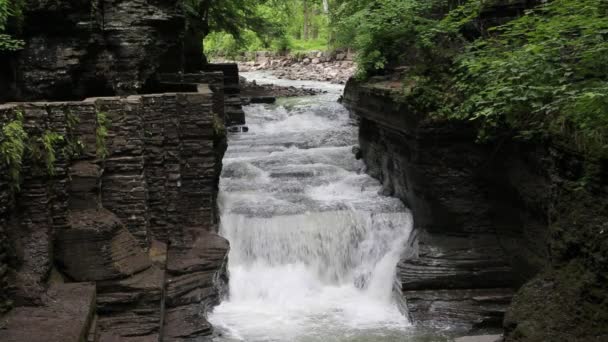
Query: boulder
(96, 246)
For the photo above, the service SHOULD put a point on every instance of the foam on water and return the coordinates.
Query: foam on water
(314, 248)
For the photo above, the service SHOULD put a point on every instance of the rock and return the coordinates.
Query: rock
(100, 48)
(96, 247)
(485, 226)
(84, 185)
(316, 61)
(479, 338)
(263, 99)
(129, 308)
(197, 279)
(186, 323)
(65, 316)
(160, 178)
(456, 254)
(254, 93)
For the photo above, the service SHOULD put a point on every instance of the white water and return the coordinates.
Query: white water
(313, 246)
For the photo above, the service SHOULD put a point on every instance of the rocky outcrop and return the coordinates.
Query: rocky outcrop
(134, 212)
(194, 286)
(335, 67)
(488, 219)
(85, 48)
(251, 92)
(221, 78)
(232, 90)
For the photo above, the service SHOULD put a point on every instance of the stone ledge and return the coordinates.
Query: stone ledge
(66, 316)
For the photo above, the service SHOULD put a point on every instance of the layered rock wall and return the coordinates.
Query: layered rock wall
(133, 211)
(489, 218)
(85, 48)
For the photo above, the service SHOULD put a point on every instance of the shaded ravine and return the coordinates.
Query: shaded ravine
(313, 245)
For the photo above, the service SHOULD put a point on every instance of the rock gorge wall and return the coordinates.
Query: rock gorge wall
(83, 48)
(491, 221)
(120, 247)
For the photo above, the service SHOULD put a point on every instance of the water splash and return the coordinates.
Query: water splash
(313, 246)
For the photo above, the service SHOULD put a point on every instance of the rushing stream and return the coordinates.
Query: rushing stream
(313, 246)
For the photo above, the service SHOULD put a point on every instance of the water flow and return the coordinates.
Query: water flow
(313, 246)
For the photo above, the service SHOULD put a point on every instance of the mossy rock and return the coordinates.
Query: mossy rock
(569, 304)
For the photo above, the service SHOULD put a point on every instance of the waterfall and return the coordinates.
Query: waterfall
(314, 248)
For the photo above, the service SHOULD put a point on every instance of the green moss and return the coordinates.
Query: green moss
(101, 134)
(557, 306)
(219, 128)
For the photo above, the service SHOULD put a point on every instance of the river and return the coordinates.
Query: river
(314, 247)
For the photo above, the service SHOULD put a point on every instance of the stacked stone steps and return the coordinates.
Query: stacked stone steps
(66, 315)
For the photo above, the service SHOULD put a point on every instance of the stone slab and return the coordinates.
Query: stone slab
(65, 317)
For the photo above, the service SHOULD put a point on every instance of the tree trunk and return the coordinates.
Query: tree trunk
(306, 33)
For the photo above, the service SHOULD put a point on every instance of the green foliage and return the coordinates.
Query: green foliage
(16, 145)
(13, 140)
(301, 45)
(224, 44)
(381, 31)
(545, 72)
(43, 149)
(11, 16)
(101, 134)
(279, 26)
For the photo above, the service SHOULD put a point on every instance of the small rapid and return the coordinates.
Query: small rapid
(314, 247)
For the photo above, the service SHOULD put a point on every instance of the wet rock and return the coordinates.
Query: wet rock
(264, 93)
(480, 338)
(186, 323)
(357, 152)
(196, 281)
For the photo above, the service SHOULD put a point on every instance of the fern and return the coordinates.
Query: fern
(13, 140)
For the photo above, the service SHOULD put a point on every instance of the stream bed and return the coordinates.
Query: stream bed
(314, 247)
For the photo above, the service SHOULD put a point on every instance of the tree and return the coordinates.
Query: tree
(10, 20)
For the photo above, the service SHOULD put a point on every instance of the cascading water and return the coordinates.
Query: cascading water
(313, 246)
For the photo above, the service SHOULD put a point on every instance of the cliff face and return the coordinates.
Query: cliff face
(76, 49)
(125, 229)
(489, 218)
